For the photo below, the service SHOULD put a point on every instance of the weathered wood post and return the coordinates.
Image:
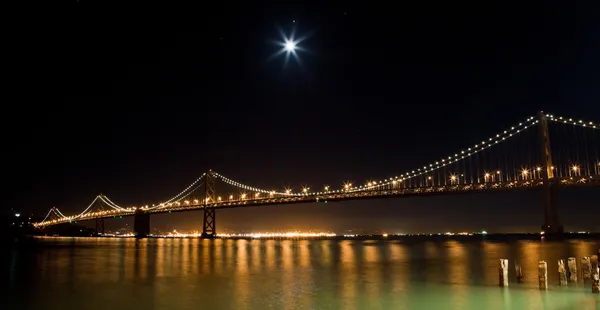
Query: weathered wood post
(572, 264)
(543, 275)
(586, 268)
(503, 272)
(595, 275)
(519, 272)
(562, 273)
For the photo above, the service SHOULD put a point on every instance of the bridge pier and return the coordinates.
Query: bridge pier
(99, 226)
(141, 224)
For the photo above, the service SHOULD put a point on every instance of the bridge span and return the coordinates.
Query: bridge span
(501, 163)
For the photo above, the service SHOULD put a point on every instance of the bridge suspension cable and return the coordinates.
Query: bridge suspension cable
(456, 157)
(179, 199)
(55, 211)
(86, 209)
(248, 187)
(185, 191)
(570, 121)
(431, 167)
(182, 195)
(111, 204)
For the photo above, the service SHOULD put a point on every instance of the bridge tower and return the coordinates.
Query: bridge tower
(209, 229)
(551, 222)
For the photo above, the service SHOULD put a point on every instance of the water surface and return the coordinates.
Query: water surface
(107, 273)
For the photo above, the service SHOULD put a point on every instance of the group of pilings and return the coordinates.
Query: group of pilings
(566, 273)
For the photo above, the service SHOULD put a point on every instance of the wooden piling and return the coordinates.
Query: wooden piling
(519, 272)
(562, 273)
(543, 275)
(595, 275)
(586, 268)
(572, 264)
(503, 272)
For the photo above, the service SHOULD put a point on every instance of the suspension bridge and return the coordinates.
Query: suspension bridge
(544, 152)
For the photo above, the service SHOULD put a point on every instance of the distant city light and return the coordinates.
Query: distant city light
(17, 214)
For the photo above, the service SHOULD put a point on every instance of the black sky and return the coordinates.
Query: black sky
(136, 104)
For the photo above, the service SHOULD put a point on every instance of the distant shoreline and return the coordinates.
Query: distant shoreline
(407, 237)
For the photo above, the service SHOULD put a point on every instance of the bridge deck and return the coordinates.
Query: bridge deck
(569, 182)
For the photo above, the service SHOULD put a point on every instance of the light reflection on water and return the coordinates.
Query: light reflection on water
(103, 273)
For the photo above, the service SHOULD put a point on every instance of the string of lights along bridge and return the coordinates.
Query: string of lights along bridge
(545, 151)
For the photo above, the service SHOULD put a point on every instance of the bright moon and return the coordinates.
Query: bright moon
(290, 46)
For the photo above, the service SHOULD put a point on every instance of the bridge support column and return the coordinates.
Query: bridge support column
(141, 224)
(99, 226)
(209, 228)
(551, 222)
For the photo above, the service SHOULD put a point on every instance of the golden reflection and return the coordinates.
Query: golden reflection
(528, 257)
(242, 279)
(255, 248)
(195, 256)
(229, 249)
(112, 263)
(304, 253)
(160, 258)
(242, 256)
(289, 287)
(348, 276)
(304, 274)
(581, 248)
(101, 263)
(141, 258)
(168, 257)
(492, 253)
(433, 264)
(270, 254)
(400, 276)
(218, 260)
(129, 259)
(371, 274)
(205, 265)
(458, 260)
(184, 258)
(326, 253)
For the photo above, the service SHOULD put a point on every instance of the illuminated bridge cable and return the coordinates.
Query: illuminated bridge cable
(185, 191)
(57, 211)
(190, 192)
(110, 203)
(249, 188)
(168, 204)
(48, 214)
(465, 153)
(86, 209)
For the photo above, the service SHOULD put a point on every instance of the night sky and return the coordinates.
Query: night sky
(137, 105)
